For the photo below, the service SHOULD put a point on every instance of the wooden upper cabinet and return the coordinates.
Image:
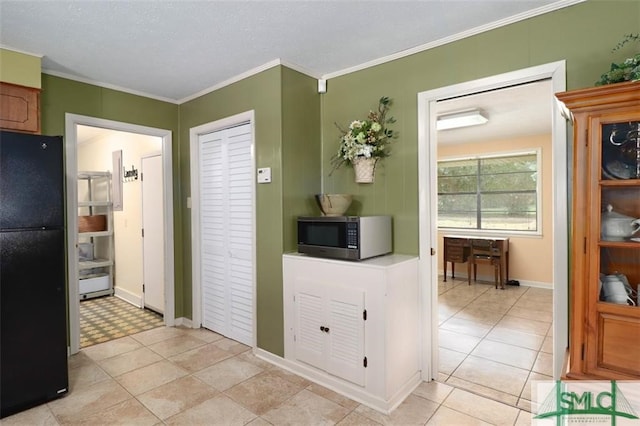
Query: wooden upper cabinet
(19, 108)
(604, 334)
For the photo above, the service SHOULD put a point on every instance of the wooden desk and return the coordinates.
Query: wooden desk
(456, 250)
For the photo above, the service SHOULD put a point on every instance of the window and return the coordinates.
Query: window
(498, 193)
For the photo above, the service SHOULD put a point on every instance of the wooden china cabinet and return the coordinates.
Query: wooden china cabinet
(604, 341)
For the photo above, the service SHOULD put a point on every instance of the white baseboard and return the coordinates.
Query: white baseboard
(335, 384)
(537, 284)
(183, 322)
(490, 278)
(128, 296)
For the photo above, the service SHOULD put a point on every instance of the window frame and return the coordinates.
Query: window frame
(500, 232)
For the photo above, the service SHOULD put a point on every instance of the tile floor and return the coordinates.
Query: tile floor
(109, 317)
(492, 343)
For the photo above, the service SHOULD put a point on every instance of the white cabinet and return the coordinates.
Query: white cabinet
(354, 326)
(95, 235)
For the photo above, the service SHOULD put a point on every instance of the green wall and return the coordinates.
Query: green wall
(582, 34)
(296, 135)
(60, 96)
(301, 153)
(287, 119)
(20, 68)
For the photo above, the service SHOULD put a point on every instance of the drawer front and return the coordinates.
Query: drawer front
(456, 259)
(455, 254)
(454, 251)
(455, 242)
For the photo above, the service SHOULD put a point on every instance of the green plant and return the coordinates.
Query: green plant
(367, 138)
(628, 70)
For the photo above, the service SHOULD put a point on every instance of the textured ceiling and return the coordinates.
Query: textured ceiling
(174, 50)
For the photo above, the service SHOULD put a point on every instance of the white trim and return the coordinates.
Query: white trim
(352, 391)
(232, 80)
(427, 158)
(462, 276)
(455, 37)
(389, 58)
(227, 82)
(492, 154)
(71, 162)
(300, 69)
(129, 297)
(539, 207)
(248, 74)
(106, 85)
(183, 322)
(196, 284)
(13, 49)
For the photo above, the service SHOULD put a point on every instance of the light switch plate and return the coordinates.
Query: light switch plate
(264, 175)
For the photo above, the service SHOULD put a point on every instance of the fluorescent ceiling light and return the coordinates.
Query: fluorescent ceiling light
(455, 120)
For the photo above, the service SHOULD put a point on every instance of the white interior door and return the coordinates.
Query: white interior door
(226, 232)
(153, 233)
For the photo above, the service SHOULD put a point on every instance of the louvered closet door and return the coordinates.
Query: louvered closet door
(226, 206)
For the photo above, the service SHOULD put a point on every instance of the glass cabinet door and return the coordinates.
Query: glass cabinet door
(617, 192)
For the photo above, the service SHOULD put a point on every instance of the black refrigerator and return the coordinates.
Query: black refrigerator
(33, 319)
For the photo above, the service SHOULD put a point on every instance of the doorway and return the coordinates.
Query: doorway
(112, 166)
(223, 227)
(73, 122)
(427, 147)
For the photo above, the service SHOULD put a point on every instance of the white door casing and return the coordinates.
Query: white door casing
(153, 232)
(223, 227)
(427, 159)
(71, 165)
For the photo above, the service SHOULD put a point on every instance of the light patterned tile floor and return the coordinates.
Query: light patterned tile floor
(495, 342)
(109, 317)
(180, 376)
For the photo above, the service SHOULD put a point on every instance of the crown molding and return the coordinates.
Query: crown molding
(107, 85)
(24, 52)
(232, 80)
(459, 36)
(247, 74)
(228, 82)
(276, 62)
(301, 69)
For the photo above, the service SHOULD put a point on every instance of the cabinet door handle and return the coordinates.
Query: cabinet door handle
(322, 328)
(326, 329)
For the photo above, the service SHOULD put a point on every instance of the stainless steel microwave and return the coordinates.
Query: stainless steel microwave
(345, 237)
